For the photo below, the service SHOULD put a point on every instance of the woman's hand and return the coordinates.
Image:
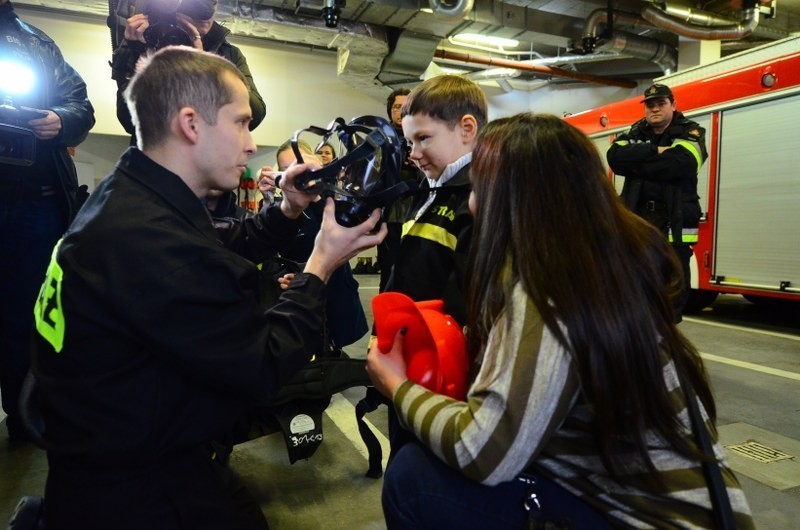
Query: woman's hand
(387, 370)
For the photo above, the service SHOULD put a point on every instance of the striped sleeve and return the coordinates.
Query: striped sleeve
(522, 392)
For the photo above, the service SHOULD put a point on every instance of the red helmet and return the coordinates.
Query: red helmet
(434, 347)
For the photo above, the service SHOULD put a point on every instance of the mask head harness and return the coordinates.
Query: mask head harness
(367, 173)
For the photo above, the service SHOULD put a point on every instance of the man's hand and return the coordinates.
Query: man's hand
(46, 128)
(189, 27)
(335, 244)
(387, 370)
(135, 26)
(296, 201)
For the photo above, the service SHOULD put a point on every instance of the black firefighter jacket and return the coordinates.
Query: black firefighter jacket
(433, 251)
(669, 178)
(152, 334)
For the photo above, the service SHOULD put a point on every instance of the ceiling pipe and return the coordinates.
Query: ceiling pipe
(666, 57)
(543, 70)
(599, 17)
(732, 31)
(454, 11)
(628, 44)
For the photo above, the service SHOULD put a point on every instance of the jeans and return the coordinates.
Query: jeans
(422, 492)
(28, 231)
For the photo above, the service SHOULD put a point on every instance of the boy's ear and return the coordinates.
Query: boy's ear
(469, 128)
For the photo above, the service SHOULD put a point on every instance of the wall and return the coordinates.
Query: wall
(299, 86)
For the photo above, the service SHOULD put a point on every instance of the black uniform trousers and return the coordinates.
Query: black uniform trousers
(188, 490)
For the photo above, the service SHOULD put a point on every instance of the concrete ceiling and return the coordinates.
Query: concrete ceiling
(383, 44)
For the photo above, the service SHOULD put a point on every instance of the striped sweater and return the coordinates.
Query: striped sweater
(525, 408)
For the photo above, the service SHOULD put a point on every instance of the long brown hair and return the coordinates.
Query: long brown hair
(548, 216)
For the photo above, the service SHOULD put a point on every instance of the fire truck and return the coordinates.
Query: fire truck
(749, 104)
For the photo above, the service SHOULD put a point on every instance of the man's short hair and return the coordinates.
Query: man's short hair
(172, 78)
(448, 98)
(390, 100)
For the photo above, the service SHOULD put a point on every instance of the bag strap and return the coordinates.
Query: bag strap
(720, 502)
(371, 401)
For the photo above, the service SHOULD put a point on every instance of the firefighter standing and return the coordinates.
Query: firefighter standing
(660, 157)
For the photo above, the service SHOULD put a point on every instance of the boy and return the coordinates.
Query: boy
(441, 118)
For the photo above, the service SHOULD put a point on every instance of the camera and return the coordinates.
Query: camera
(164, 28)
(17, 142)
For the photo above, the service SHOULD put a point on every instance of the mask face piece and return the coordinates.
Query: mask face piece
(365, 176)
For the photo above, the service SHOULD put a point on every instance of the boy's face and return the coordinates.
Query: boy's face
(434, 144)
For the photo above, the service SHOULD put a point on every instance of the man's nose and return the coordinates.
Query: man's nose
(250, 145)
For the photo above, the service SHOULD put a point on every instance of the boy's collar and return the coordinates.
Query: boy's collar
(450, 171)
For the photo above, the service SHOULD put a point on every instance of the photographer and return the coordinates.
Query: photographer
(151, 26)
(39, 193)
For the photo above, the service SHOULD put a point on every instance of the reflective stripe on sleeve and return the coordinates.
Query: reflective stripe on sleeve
(688, 235)
(692, 147)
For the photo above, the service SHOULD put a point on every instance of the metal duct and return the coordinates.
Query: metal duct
(629, 44)
(457, 11)
(717, 32)
(666, 57)
(600, 16)
(544, 70)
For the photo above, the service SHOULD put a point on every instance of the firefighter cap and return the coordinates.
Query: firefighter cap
(657, 91)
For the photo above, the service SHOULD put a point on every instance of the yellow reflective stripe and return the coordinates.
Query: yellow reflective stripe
(48, 312)
(406, 227)
(692, 148)
(688, 235)
(434, 233)
(620, 142)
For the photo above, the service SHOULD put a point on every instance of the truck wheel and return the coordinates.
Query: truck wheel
(699, 300)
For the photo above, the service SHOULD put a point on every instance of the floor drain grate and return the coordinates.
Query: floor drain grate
(757, 451)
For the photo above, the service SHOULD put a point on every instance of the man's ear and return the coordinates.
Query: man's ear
(469, 128)
(187, 121)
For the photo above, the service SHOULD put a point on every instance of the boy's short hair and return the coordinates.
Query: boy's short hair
(448, 98)
(172, 78)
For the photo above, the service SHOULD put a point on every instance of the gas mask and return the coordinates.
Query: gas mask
(366, 174)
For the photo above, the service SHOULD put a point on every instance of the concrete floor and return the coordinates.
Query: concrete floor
(753, 358)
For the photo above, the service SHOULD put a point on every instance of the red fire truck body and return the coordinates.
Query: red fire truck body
(749, 104)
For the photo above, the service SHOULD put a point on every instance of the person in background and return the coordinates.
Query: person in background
(37, 201)
(208, 35)
(582, 378)
(346, 320)
(395, 214)
(326, 154)
(147, 354)
(660, 157)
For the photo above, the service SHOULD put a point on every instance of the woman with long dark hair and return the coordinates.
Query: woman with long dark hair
(578, 365)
